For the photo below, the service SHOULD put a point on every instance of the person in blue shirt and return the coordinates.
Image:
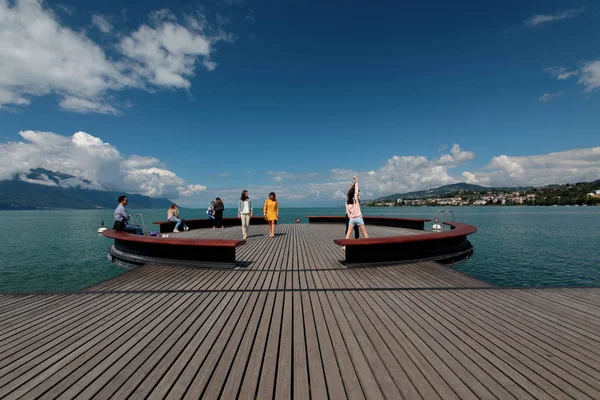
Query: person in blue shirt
(210, 211)
(122, 218)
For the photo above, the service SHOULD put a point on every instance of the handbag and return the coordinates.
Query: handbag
(119, 226)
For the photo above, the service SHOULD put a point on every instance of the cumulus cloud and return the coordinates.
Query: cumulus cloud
(588, 73)
(40, 55)
(537, 170)
(401, 174)
(90, 159)
(540, 19)
(546, 97)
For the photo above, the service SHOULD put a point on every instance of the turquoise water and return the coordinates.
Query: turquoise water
(42, 251)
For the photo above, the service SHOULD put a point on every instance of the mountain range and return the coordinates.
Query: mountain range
(20, 193)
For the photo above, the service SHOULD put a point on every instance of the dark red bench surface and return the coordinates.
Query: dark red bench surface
(129, 237)
(458, 230)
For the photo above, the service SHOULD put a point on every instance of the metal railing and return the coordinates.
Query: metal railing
(138, 223)
(445, 213)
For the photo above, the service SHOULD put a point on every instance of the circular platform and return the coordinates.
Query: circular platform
(317, 245)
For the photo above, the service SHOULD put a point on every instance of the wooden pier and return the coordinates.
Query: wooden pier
(292, 322)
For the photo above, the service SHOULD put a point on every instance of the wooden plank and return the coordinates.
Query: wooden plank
(192, 379)
(468, 372)
(203, 338)
(40, 334)
(239, 365)
(528, 344)
(469, 350)
(392, 379)
(425, 378)
(141, 382)
(253, 369)
(334, 343)
(365, 375)
(537, 324)
(495, 347)
(53, 357)
(266, 384)
(108, 376)
(218, 361)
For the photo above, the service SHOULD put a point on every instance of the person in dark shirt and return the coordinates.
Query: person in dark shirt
(219, 208)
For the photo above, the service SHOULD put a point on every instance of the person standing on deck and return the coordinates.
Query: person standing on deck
(353, 210)
(245, 212)
(122, 218)
(219, 208)
(210, 211)
(271, 211)
(173, 216)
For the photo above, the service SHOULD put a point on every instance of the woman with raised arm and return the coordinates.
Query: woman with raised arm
(353, 210)
(271, 211)
(245, 212)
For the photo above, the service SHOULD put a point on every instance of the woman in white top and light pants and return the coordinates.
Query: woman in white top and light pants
(245, 212)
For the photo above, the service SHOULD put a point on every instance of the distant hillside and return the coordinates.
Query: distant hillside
(455, 187)
(18, 195)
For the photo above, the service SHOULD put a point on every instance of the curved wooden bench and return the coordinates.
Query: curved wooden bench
(138, 249)
(448, 247)
(201, 223)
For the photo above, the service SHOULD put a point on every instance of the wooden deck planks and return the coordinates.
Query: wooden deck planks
(394, 344)
(295, 323)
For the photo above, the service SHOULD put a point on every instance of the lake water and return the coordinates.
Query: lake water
(42, 251)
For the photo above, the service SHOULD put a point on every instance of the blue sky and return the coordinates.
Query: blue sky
(204, 99)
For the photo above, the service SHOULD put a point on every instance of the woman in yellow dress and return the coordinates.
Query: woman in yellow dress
(271, 211)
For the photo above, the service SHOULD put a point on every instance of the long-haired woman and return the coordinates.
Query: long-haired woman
(173, 216)
(353, 210)
(245, 212)
(271, 211)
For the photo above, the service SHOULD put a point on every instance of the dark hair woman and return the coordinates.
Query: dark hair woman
(271, 211)
(353, 210)
(245, 212)
(219, 208)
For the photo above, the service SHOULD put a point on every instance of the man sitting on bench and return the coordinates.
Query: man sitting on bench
(122, 218)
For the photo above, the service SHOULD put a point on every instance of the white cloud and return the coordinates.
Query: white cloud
(546, 97)
(540, 19)
(401, 174)
(280, 176)
(84, 106)
(590, 75)
(40, 55)
(136, 162)
(537, 170)
(88, 157)
(165, 55)
(44, 180)
(101, 22)
(588, 72)
(561, 73)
